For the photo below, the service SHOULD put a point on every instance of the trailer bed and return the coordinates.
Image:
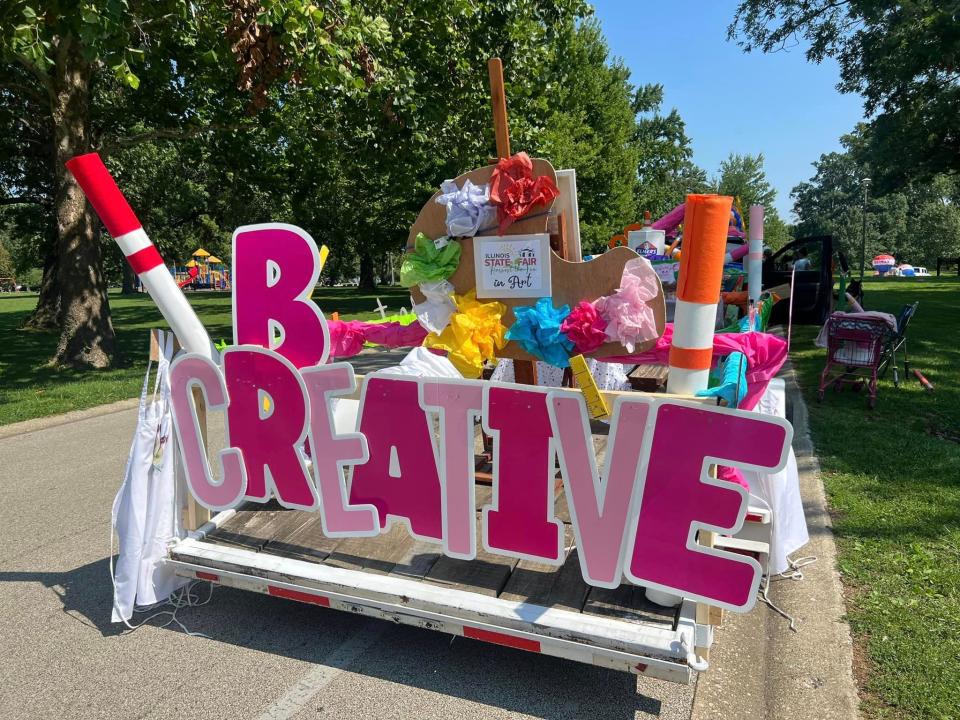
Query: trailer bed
(518, 603)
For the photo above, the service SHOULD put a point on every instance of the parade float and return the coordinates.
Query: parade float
(607, 526)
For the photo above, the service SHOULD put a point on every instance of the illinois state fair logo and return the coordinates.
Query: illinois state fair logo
(513, 266)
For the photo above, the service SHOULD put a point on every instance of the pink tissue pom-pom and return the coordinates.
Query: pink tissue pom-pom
(585, 328)
(630, 321)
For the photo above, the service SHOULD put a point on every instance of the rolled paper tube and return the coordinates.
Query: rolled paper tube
(671, 219)
(122, 223)
(755, 259)
(692, 347)
(698, 291)
(704, 246)
(736, 254)
(690, 359)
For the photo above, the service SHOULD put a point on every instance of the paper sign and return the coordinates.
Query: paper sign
(667, 271)
(411, 459)
(515, 266)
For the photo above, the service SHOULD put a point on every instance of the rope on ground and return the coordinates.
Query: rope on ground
(794, 573)
(180, 598)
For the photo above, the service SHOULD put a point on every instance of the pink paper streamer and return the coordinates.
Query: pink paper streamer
(348, 336)
(765, 355)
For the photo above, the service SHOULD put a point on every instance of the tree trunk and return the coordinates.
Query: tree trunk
(368, 280)
(127, 286)
(87, 338)
(46, 315)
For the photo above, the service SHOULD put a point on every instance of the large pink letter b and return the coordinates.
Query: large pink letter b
(275, 268)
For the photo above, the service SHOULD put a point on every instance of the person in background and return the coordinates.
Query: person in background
(803, 262)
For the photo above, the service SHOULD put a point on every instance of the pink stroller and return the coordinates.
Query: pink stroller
(855, 350)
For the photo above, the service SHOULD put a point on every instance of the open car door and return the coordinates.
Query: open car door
(813, 285)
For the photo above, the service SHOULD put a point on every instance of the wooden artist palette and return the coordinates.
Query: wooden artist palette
(572, 281)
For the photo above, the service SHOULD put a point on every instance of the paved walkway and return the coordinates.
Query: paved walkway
(760, 669)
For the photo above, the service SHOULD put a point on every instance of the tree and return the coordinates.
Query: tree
(590, 125)
(916, 224)
(901, 56)
(666, 173)
(743, 177)
(71, 70)
(7, 269)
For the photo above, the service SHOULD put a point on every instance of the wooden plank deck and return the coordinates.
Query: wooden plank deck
(297, 534)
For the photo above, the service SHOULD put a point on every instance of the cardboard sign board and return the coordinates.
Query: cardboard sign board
(636, 519)
(512, 266)
(570, 282)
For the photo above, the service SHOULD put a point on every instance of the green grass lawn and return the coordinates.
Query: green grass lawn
(893, 480)
(30, 389)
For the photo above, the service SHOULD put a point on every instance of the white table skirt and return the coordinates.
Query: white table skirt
(781, 491)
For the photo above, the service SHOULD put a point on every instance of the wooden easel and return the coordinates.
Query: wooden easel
(524, 371)
(193, 513)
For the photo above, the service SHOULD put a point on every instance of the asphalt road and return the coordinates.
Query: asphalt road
(259, 657)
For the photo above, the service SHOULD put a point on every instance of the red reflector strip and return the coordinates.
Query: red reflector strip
(751, 517)
(298, 595)
(641, 667)
(146, 259)
(207, 576)
(501, 639)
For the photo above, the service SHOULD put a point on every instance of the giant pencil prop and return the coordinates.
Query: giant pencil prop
(698, 291)
(141, 253)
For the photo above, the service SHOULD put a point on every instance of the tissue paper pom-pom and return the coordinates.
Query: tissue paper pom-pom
(428, 263)
(468, 208)
(437, 307)
(585, 328)
(630, 321)
(514, 190)
(474, 335)
(537, 329)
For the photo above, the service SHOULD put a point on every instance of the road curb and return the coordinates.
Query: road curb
(759, 667)
(29, 426)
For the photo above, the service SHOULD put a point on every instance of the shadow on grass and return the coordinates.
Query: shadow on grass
(29, 388)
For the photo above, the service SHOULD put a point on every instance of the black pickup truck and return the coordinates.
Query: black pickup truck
(813, 284)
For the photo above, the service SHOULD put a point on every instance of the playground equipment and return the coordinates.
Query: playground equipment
(202, 272)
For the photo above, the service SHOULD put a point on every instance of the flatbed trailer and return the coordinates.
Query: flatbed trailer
(517, 603)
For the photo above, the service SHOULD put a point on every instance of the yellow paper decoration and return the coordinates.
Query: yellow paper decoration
(475, 334)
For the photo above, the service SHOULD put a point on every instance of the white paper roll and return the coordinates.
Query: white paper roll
(755, 259)
(693, 324)
(176, 310)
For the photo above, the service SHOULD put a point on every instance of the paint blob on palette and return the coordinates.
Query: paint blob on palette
(637, 517)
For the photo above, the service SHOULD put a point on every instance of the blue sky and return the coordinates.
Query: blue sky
(779, 104)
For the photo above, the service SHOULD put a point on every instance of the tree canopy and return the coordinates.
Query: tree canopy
(112, 74)
(917, 223)
(744, 177)
(902, 57)
(340, 116)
